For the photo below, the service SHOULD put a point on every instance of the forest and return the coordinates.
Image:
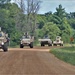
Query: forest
(16, 19)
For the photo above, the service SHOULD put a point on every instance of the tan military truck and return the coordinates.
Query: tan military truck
(3, 41)
(58, 41)
(26, 40)
(45, 41)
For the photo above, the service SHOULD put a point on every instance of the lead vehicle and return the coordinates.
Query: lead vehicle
(26, 41)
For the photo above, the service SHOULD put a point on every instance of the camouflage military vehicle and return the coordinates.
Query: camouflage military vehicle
(45, 41)
(58, 41)
(27, 40)
(3, 41)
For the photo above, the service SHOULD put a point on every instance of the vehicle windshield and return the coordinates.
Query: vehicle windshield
(57, 37)
(24, 37)
(46, 37)
(0, 34)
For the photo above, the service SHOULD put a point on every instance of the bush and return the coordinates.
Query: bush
(13, 44)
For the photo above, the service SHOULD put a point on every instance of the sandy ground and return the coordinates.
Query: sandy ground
(35, 61)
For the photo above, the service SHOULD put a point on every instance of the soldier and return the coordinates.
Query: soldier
(26, 35)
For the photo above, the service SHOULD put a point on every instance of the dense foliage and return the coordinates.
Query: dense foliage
(14, 22)
(58, 23)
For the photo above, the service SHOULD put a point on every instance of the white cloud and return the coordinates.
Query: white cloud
(50, 5)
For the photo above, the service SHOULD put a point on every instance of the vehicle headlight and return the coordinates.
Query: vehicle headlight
(2, 43)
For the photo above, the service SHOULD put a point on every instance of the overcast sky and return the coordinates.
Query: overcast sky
(50, 5)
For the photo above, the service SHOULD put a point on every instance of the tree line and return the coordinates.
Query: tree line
(15, 20)
(58, 23)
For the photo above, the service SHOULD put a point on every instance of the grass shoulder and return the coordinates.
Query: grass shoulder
(66, 54)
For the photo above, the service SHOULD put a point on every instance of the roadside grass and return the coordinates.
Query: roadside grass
(66, 54)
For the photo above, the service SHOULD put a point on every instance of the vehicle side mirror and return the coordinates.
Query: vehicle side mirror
(6, 35)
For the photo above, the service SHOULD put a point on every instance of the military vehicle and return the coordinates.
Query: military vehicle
(3, 41)
(45, 41)
(58, 41)
(26, 40)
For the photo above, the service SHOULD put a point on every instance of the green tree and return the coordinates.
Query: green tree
(41, 20)
(72, 22)
(60, 12)
(66, 30)
(8, 21)
(65, 27)
(54, 18)
(51, 29)
(4, 1)
(15, 38)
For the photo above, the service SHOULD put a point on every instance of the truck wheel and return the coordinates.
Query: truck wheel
(31, 45)
(41, 44)
(61, 44)
(49, 44)
(54, 44)
(21, 46)
(5, 47)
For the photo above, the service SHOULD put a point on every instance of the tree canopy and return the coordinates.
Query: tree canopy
(15, 22)
(4, 1)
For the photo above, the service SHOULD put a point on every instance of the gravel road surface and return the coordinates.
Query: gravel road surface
(36, 61)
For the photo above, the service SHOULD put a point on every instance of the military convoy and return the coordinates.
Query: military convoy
(28, 40)
(3, 41)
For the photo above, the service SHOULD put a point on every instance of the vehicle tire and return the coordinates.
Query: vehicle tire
(21, 46)
(5, 47)
(49, 44)
(60, 44)
(42, 44)
(54, 44)
(31, 45)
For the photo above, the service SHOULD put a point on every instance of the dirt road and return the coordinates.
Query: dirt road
(36, 61)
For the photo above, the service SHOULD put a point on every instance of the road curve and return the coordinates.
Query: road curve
(36, 61)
